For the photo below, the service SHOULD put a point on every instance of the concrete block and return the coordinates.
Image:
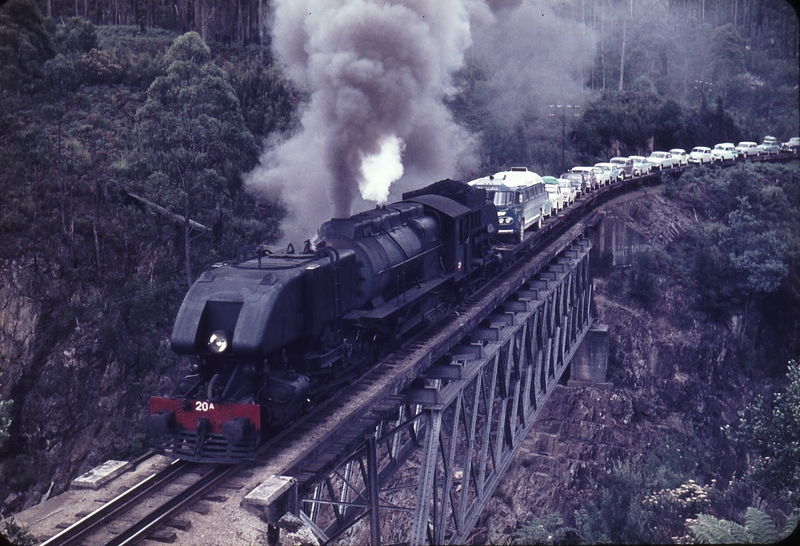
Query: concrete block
(272, 498)
(98, 477)
(590, 363)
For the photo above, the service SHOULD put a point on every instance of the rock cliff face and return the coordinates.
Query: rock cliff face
(671, 370)
(79, 383)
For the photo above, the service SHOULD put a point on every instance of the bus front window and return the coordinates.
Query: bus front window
(504, 198)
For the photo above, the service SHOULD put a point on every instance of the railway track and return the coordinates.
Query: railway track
(143, 509)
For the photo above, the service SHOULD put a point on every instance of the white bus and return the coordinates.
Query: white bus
(520, 198)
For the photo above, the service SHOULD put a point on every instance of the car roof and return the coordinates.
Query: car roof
(747, 143)
(677, 151)
(517, 178)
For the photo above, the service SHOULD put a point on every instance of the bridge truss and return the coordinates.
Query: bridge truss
(441, 447)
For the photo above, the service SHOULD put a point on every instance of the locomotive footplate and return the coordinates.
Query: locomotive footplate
(203, 431)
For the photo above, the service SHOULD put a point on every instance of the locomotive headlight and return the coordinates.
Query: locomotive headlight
(219, 341)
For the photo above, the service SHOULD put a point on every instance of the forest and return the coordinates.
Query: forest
(128, 128)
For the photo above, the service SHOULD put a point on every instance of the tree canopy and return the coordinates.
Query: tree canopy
(194, 137)
(25, 44)
(770, 427)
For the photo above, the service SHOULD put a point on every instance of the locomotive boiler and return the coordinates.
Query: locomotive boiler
(276, 332)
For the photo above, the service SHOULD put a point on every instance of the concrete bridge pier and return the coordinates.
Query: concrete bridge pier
(590, 363)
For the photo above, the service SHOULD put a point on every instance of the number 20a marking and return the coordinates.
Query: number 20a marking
(203, 406)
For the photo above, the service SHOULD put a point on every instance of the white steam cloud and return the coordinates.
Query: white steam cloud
(381, 169)
(377, 71)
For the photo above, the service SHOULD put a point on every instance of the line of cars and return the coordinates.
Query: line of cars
(523, 198)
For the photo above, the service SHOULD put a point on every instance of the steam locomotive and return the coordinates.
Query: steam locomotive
(274, 333)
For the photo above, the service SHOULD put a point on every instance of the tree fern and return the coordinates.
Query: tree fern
(710, 530)
(758, 528)
(791, 523)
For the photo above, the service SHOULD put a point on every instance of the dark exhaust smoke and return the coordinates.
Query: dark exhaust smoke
(377, 71)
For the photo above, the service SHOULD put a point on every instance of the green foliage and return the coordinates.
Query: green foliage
(758, 528)
(771, 430)
(25, 45)
(646, 500)
(727, 51)
(746, 246)
(99, 67)
(617, 124)
(756, 256)
(192, 136)
(75, 35)
(622, 123)
(267, 99)
(19, 535)
(547, 530)
(61, 74)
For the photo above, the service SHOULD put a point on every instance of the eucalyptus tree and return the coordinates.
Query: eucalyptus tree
(193, 136)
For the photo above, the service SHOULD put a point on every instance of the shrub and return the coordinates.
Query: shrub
(99, 67)
(75, 35)
(547, 530)
(19, 535)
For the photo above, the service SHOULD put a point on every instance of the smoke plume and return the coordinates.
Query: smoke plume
(377, 71)
(535, 53)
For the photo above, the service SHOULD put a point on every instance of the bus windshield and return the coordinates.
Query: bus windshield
(502, 198)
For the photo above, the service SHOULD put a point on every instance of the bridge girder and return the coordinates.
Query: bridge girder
(456, 430)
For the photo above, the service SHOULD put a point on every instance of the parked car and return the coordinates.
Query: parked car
(724, 152)
(624, 166)
(610, 170)
(793, 145)
(578, 182)
(770, 145)
(590, 174)
(746, 149)
(564, 188)
(567, 190)
(661, 160)
(554, 193)
(700, 155)
(641, 164)
(681, 155)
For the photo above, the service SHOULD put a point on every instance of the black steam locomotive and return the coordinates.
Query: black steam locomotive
(273, 333)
